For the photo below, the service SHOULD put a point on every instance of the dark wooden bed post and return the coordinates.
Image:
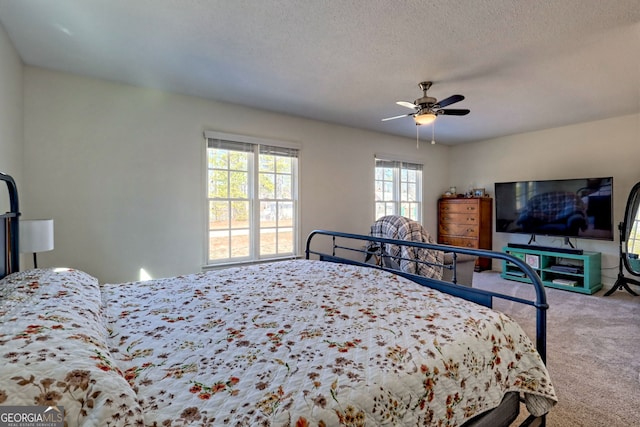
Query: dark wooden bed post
(10, 248)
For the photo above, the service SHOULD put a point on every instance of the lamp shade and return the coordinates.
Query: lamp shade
(36, 235)
(424, 118)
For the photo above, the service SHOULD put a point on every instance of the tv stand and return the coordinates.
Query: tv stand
(557, 267)
(563, 250)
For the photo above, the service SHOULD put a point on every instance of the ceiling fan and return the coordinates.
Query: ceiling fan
(428, 108)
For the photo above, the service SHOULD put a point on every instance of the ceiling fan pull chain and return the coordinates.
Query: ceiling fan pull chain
(433, 133)
(417, 136)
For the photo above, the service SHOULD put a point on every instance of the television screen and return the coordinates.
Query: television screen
(581, 208)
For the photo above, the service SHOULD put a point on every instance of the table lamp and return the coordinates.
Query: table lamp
(36, 235)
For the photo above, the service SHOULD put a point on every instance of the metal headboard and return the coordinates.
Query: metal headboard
(9, 230)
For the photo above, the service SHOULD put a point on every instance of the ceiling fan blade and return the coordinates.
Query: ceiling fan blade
(407, 104)
(397, 117)
(450, 100)
(454, 112)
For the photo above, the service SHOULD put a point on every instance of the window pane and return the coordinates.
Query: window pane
(415, 211)
(283, 187)
(412, 192)
(218, 215)
(267, 163)
(388, 191)
(238, 161)
(405, 210)
(267, 188)
(285, 240)
(283, 164)
(268, 212)
(267, 241)
(390, 208)
(240, 243)
(387, 174)
(218, 158)
(285, 214)
(218, 184)
(239, 185)
(240, 214)
(219, 244)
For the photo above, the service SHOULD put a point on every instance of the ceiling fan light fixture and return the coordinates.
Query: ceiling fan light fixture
(424, 118)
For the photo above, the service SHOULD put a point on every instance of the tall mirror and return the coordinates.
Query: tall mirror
(629, 244)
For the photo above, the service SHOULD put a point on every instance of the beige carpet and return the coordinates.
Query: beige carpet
(593, 351)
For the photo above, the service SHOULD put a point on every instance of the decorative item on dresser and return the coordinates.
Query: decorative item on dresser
(466, 222)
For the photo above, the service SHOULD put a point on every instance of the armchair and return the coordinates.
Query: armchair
(439, 264)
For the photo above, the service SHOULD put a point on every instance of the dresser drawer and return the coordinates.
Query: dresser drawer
(459, 218)
(459, 206)
(457, 229)
(463, 242)
(466, 223)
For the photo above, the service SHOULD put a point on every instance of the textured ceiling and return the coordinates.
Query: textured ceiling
(522, 65)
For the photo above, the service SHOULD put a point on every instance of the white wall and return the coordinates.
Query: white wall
(119, 168)
(609, 147)
(10, 114)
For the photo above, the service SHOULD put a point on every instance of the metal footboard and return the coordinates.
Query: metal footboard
(350, 248)
(354, 249)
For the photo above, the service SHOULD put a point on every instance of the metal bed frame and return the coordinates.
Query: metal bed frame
(9, 230)
(350, 249)
(354, 249)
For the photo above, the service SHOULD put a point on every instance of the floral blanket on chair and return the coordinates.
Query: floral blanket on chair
(404, 257)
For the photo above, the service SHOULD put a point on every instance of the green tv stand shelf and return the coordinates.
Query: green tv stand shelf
(571, 272)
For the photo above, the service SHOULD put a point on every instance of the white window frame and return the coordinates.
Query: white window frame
(396, 202)
(255, 145)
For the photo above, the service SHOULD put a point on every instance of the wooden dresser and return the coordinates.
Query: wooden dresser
(467, 222)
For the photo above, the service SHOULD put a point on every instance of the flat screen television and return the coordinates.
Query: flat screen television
(581, 208)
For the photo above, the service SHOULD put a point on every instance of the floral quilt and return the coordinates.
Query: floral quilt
(303, 343)
(54, 352)
(308, 343)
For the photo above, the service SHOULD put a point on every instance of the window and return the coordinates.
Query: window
(252, 199)
(398, 188)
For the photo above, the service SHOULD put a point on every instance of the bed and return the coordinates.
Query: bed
(323, 341)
